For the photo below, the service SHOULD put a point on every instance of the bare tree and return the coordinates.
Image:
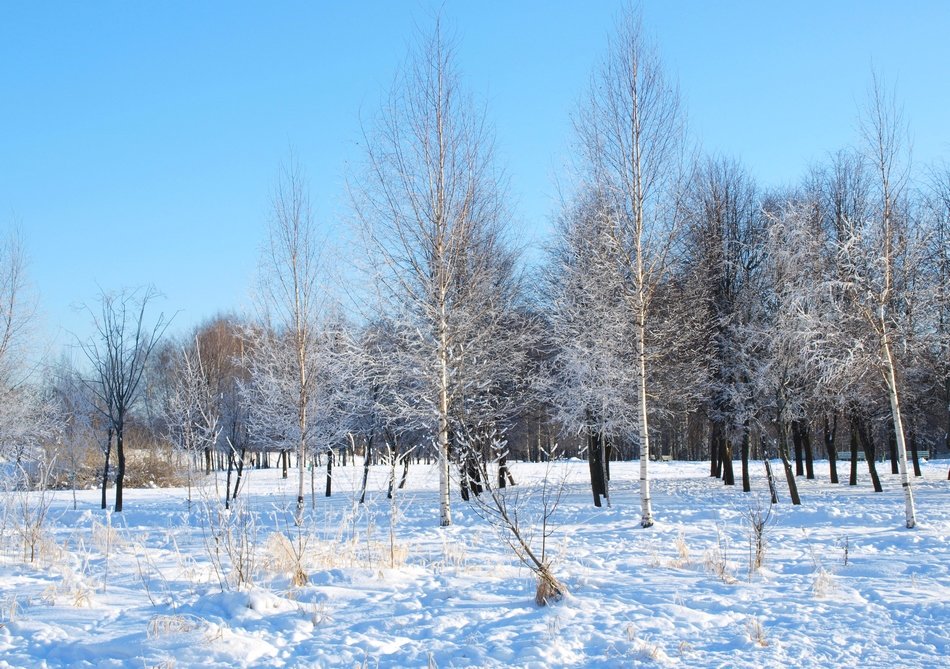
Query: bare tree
(118, 353)
(632, 135)
(285, 349)
(432, 220)
(879, 248)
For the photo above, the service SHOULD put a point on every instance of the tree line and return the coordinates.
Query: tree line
(681, 310)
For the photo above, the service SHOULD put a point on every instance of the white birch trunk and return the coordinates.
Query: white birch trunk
(909, 510)
(445, 514)
(646, 505)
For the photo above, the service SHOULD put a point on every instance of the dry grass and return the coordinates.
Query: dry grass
(756, 632)
(824, 583)
(682, 552)
(160, 626)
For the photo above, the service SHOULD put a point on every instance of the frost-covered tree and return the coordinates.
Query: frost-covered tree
(725, 251)
(631, 133)
(433, 225)
(592, 378)
(284, 359)
(873, 255)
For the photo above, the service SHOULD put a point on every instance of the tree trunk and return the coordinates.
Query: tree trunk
(910, 513)
(368, 447)
(120, 469)
(227, 481)
(284, 463)
(728, 475)
(867, 441)
(595, 455)
(503, 471)
(744, 449)
(789, 475)
(892, 451)
(405, 471)
(329, 472)
(829, 439)
(105, 469)
(853, 478)
(914, 452)
(240, 474)
(715, 451)
(771, 479)
(809, 452)
(646, 503)
(797, 442)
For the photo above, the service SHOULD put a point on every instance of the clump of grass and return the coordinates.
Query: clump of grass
(162, 625)
(756, 632)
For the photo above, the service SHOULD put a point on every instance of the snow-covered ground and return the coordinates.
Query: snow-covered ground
(842, 584)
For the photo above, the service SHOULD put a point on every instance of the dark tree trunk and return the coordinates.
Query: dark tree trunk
(797, 442)
(208, 462)
(809, 452)
(329, 472)
(595, 459)
(105, 469)
(853, 478)
(715, 464)
(867, 441)
(120, 469)
(227, 481)
(789, 475)
(366, 459)
(284, 463)
(240, 474)
(831, 427)
(744, 449)
(405, 470)
(503, 471)
(915, 454)
(771, 479)
(728, 475)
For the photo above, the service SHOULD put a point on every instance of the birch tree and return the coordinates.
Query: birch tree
(870, 257)
(431, 219)
(285, 358)
(631, 133)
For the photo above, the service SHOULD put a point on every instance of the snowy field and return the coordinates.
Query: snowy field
(164, 585)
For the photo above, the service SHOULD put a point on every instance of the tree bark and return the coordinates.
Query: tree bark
(595, 460)
(915, 454)
(853, 478)
(120, 469)
(892, 451)
(728, 474)
(797, 442)
(715, 451)
(746, 483)
(789, 475)
(809, 452)
(867, 441)
(771, 480)
(829, 439)
(368, 447)
(105, 469)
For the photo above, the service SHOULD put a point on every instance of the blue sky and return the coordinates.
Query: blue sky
(139, 141)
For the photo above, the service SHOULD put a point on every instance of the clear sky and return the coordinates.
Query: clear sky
(139, 141)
